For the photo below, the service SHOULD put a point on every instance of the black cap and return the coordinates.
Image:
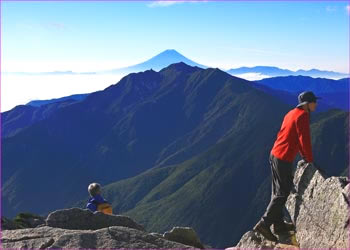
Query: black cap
(306, 97)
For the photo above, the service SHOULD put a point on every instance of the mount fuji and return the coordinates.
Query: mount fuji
(158, 62)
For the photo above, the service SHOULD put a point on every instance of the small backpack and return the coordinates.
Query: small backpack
(105, 208)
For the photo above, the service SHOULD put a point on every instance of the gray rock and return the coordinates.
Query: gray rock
(184, 235)
(31, 238)
(254, 240)
(83, 219)
(111, 237)
(320, 209)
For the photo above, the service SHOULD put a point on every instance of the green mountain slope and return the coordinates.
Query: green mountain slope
(330, 139)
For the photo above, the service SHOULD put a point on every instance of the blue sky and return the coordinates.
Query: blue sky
(93, 36)
(83, 35)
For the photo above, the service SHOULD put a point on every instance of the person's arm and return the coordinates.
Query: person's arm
(304, 137)
(92, 207)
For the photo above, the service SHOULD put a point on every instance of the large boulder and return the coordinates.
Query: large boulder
(318, 206)
(320, 209)
(106, 238)
(184, 235)
(83, 219)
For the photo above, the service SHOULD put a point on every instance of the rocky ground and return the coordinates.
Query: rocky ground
(319, 208)
(78, 228)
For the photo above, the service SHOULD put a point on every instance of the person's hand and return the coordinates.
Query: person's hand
(302, 163)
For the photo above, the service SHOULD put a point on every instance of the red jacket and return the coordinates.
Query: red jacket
(294, 136)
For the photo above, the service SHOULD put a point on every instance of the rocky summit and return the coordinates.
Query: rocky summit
(78, 228)
(319, 208)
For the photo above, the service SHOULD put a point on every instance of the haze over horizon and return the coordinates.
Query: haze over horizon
(96, 36)
(105, 67)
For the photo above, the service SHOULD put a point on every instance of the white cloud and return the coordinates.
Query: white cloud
(43, 87)
(252, 76)
(347, 8)
(51, 66)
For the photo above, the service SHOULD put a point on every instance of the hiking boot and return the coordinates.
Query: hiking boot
(283, 227)
(262, 228)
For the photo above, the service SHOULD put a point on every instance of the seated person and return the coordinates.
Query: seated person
(96, 202)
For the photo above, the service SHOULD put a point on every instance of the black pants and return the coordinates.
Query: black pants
(282, 183)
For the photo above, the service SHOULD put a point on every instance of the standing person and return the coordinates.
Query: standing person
(293, 136)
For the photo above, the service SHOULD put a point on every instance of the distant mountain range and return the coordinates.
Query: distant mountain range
(334, 93)
(297, 84)
(168, 57)
(171, 56)
(267, 71)
(195, 143)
